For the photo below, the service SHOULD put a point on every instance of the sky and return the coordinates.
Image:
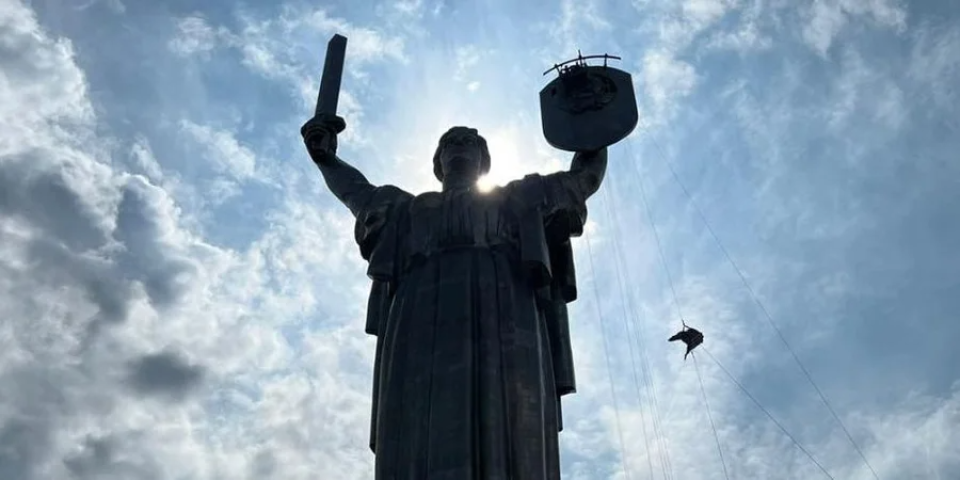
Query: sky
(181, 298)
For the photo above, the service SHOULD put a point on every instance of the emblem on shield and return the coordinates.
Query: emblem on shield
(587, 107)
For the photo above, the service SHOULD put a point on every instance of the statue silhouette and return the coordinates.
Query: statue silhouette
(469, 306)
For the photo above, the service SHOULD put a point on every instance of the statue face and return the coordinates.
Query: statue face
(461, 155)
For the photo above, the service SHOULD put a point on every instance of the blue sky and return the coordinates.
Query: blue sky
(181, 298)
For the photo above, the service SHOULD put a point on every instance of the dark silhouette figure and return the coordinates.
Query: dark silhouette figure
(469, 306)
(690, 336)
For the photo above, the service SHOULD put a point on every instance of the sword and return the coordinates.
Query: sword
(332, 74)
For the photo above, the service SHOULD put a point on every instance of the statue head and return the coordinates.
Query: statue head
(462, 151)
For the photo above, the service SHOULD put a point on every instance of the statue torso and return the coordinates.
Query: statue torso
(461, 218)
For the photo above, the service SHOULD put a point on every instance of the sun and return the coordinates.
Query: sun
(485, 184)
(507, 164)
(503, 172)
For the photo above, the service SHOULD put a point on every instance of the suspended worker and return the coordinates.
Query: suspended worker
(690, 336)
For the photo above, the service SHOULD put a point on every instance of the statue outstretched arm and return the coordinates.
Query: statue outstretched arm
(345, 182)
(588, 169)
(565, 190)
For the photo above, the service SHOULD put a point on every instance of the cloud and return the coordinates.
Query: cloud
(467, 57)
(264, 43)
(675, 25)
(114, 6)
(667, 80)
(934, 61)
(862, 87)
(145, 161)
(196, 37)
(916, 437)
(574, 23)
(825, 19)
(161, 262)
(88, 253)
(748, 35)
(23, 98)
(699, 14)
(229, 157)
(163, 374)
(574, 15)
(96, 317)
(410, 7)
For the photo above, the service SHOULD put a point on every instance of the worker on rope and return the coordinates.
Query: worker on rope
(690, 336)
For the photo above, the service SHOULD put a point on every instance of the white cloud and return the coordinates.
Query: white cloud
(195, 37)
(701, 13)
(145, 161)
(575, 22)
(467, 57)
(115, 6)
(365, 44)
(100, 278)
(666, 80)
(229, 157)
(574, 14)
(675, 25)
(265, 48)
(265, 44)
(935, 55)
(747, 37)
(409, 7)
(826, 18)
(22, 99)
(78, 232)
(673, 29)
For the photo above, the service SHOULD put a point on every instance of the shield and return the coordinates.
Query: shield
(588, 107)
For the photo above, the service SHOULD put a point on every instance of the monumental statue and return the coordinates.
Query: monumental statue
(470, 289)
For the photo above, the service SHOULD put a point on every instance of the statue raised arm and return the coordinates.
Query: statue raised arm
(589, 168)
(345, 182)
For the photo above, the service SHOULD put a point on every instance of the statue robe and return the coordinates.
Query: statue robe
(468, 304)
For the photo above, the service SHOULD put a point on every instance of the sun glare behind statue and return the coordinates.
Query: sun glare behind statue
(503, 171)
(506, 164)
(485, 184)
(510, 168)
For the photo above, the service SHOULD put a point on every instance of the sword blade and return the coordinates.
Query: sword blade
(332, 74)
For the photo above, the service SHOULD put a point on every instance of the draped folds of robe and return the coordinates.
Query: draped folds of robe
(468, 304)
